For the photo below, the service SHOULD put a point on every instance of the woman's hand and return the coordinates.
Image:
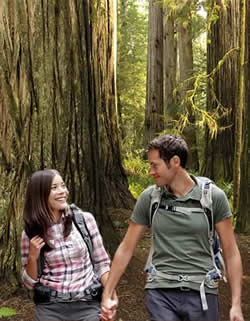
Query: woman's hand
(36, 244)
(108, 308)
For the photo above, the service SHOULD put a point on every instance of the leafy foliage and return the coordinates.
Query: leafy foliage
(138, 174)
(227, 187)
(131, 72)
(7, 312)
(203, 117)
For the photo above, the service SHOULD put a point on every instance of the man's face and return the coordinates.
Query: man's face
(161, 172)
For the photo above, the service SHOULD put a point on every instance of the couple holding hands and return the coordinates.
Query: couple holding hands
(181, 258)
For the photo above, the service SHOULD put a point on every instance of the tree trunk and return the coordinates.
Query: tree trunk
(242, 186)
(224, 37)
(59, 96)
(240, 110)
(185, 50)
(154, 120)
(170, 66)
(122, 22)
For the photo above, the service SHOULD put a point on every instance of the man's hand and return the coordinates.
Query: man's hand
(108, 308)
(236, 313)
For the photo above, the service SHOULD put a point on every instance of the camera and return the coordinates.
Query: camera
(41, 294)
(95, 290)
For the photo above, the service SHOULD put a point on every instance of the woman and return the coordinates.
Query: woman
(63, 290)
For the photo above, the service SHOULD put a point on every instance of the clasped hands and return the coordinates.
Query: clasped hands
(108, 308)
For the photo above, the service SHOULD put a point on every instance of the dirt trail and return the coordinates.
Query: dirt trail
(130, 289)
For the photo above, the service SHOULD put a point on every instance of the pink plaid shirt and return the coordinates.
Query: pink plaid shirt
(68, 267)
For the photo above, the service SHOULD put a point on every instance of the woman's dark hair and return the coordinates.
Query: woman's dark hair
(37, 214)
(169, 146)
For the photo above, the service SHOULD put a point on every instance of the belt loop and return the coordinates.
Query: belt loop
(184, 289)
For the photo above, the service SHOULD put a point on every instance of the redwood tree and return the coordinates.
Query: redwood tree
(242, 146)
(227, 155)
(58, 98)
(154, 111)
(185, 52)
(222, 89)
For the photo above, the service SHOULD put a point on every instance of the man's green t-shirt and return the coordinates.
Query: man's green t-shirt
(180, 239)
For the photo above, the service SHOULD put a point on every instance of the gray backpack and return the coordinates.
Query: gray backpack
(218, 272)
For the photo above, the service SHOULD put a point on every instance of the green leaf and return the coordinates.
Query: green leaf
(7, 312)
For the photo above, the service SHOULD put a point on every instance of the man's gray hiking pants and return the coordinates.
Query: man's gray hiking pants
(180, 305)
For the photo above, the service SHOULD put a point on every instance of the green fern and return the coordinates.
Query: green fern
(7, 312)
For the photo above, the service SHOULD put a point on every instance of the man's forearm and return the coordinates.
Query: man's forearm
(121, 260)
(234, 275)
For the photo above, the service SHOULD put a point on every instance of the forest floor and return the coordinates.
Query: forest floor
(130, 290)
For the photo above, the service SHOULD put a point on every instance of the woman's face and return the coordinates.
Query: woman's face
(58, 195)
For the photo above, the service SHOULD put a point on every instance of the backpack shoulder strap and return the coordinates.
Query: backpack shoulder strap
(40, 264)
(155, 199)
(206, 200)
(79, 221)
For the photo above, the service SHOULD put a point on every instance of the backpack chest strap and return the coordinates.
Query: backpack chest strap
(182, 209)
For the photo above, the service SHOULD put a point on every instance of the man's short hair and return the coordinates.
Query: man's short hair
(169, 146)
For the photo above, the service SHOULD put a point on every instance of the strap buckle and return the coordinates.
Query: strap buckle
(171, 208)
(182, 278)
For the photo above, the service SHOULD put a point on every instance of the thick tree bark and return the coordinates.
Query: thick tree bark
(185, 51)
(224, 37)
(240, 110)
(154, 120)
(170, 65)
(242, 201)
(59, 95)
(122, 21)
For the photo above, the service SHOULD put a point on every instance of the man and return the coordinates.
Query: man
(181, 250)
